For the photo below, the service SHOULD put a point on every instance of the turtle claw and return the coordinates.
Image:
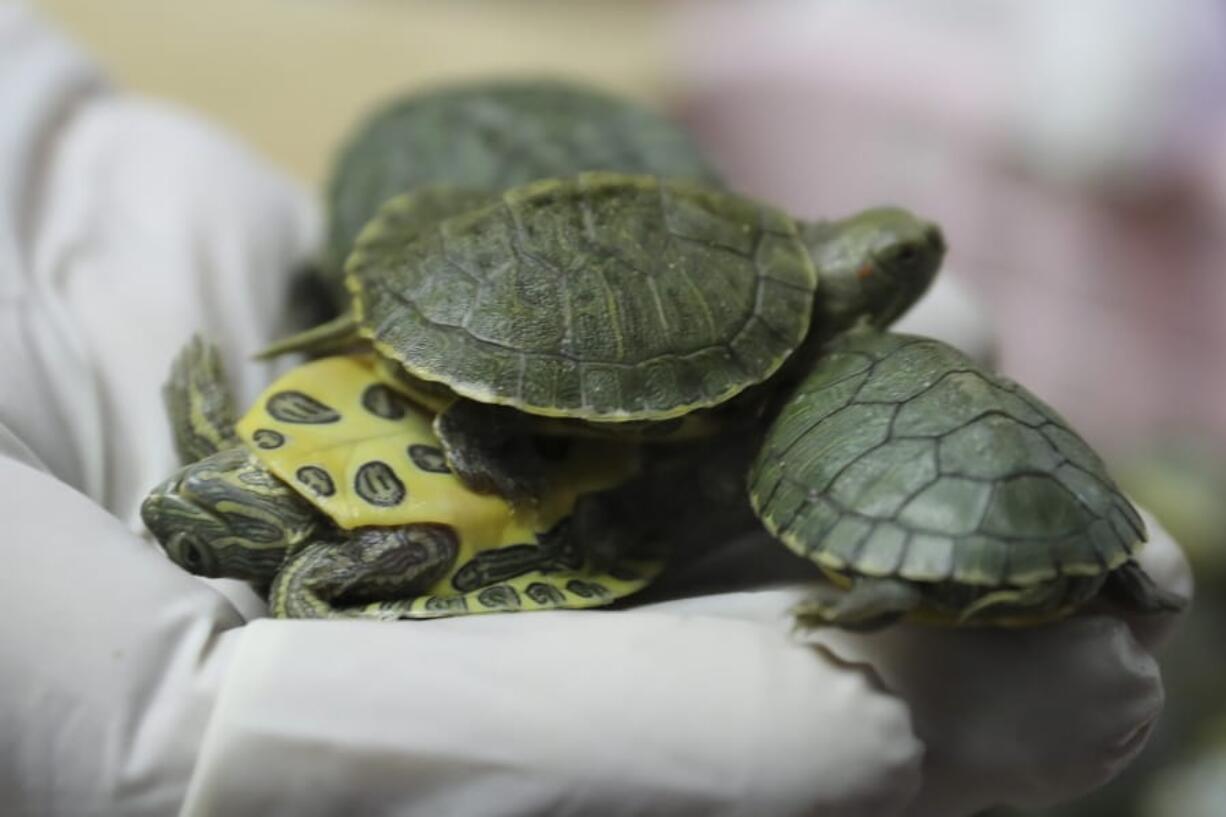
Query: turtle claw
(870, 604)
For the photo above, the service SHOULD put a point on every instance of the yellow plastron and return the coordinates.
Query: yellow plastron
(365, 456)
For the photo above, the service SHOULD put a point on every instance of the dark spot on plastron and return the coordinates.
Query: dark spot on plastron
(316, 480)
(499, 597)
(383, 402)
(587, 590)
(378, 484)
(268, 439)
(545, 594)
(296, 407)
(429, 458)
(446, 604)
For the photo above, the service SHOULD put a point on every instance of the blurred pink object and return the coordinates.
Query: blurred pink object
(1074, 152)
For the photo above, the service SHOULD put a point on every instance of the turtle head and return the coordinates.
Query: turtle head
(225, 516)
(872, 266)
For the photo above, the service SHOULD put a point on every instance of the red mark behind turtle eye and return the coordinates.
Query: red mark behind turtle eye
(864, 271)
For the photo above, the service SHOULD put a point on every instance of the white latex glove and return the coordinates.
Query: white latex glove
(131, 687)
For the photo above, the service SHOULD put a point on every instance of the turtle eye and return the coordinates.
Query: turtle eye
(908, 255)
(192, 556)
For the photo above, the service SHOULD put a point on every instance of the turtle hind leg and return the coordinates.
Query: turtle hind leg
(492, 449)
(1132, 588)
(870, 604)
(199, 402)
(341, 579)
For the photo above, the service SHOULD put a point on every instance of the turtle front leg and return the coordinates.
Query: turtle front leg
(336, 579)
(199, 402)
(869, 604)
(492, 449)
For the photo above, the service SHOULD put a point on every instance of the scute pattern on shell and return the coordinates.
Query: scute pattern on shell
(494, 135)
(899, 456)
(604, 297)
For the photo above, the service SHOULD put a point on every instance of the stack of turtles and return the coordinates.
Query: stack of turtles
(573, 340)
(492, 136)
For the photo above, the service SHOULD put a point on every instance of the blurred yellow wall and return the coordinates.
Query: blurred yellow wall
(291, 76)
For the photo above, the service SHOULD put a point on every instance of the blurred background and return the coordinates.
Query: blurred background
(1075, 153)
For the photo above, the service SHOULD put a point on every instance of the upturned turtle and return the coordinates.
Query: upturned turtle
(332, 494)
(927, 486)
(492, 135)
(609, 303)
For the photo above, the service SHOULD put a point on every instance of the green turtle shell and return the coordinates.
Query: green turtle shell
(899, 456)
(495, 135)
(605, 297)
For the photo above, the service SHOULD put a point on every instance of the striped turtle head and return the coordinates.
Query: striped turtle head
(226, 516)
(872, 266)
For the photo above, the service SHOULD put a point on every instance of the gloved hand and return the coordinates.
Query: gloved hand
(131, 687)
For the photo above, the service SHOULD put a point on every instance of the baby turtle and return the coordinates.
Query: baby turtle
(615, 303)
(333, 494)
(492, 135)
(927, 486)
